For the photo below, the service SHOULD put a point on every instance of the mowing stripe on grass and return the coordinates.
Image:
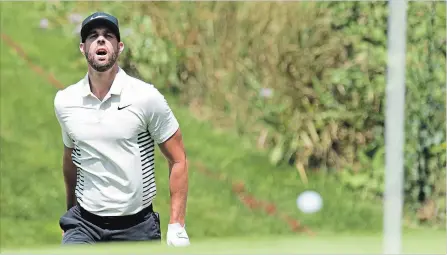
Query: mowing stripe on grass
(37, 69)
(238, 188)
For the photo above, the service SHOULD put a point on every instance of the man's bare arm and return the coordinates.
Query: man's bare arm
(174, 152)
(70, 171)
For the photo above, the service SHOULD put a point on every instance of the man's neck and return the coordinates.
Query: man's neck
(101, 82)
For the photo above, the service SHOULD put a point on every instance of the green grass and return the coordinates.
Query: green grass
(32, 193)
(329, 244)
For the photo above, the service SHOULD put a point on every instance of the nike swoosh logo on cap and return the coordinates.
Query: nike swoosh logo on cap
(98, 17)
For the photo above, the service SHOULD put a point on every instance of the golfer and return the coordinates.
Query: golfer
(110, 124)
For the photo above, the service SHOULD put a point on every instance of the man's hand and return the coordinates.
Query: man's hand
(177, 236)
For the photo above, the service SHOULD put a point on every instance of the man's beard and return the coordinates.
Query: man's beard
(101, 67)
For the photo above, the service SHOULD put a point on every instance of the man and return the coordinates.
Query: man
(110, 122)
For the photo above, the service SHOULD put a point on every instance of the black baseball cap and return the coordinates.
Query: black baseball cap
(99, 19)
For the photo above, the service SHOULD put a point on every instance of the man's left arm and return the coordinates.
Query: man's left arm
(174, 151)
(165, 130)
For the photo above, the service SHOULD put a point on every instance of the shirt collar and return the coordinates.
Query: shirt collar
(115, 89)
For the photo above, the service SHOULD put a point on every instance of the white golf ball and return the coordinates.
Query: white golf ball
(309, 202)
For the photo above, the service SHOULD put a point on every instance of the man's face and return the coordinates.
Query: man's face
(101, 49)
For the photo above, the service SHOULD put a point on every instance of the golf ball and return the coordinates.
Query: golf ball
(309, 202)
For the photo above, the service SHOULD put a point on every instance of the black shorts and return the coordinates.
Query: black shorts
(80, 226)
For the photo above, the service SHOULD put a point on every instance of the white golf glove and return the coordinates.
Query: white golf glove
(176, 235)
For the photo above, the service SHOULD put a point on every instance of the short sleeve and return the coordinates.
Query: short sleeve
(65, 136)
(161, 122)
(68, 142)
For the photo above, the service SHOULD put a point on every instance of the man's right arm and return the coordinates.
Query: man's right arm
(70, 174)
(69, 168)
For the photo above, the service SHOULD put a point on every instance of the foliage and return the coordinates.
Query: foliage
(426, 79)
(307, 79)
(325, 72)
(425, 97)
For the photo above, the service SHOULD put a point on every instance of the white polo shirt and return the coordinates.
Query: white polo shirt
(114, 141)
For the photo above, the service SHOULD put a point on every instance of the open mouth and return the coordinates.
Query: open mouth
(101, 52)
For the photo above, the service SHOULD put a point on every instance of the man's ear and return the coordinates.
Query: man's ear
(81, 48)
(121, 47)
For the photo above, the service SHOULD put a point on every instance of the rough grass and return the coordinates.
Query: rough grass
(32, 186)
